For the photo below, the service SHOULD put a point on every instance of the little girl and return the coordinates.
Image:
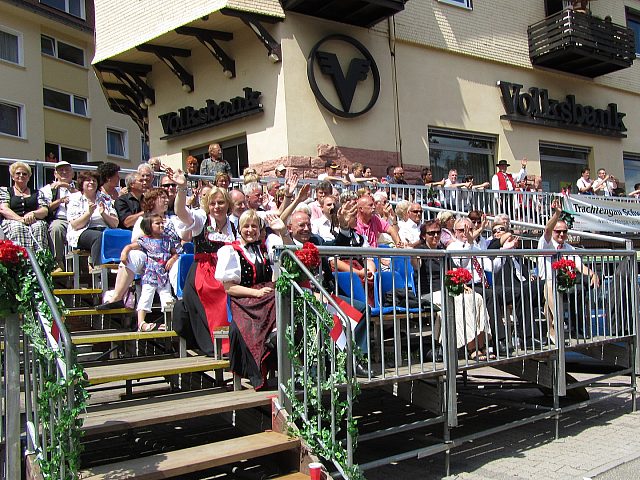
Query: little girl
(162, 252)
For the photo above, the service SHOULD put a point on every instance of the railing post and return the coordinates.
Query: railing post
(12, 405)
(451, 358)
(283, 320)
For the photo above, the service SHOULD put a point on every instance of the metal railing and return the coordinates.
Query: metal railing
(412, 329)
(48, 358)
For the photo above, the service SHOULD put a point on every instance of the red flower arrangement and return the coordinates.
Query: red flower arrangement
(13, 263)
(566, 275)
(456, 279)
(309, 256)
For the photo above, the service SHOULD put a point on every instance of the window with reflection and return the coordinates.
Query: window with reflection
(469, 153)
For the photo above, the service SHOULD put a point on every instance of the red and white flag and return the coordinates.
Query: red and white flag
(337, 332)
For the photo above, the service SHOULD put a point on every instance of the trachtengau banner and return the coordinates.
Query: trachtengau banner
(604, 214)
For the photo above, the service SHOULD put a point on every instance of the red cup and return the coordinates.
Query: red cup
(315, 470)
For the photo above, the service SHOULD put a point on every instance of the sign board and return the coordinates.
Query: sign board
(604, 214)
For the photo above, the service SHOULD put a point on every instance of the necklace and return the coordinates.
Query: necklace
(21, 192)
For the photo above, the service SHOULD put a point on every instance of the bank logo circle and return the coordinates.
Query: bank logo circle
(347, 83)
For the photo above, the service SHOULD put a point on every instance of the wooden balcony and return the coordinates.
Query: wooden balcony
(362, 13)
(579, 43)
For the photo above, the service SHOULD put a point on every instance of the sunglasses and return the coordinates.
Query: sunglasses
(459, 229)
(433, 233)
(560, 231)
(475, 221)
(415, 211)
(169, 185)
(499, 229)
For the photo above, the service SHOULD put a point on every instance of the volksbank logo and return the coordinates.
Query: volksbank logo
(189, 119)
(359, 70)
(535, 106)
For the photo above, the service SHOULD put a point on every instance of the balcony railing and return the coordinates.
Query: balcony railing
(579, 43)
(362, 13)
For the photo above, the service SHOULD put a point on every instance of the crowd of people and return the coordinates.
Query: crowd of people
(234, 232)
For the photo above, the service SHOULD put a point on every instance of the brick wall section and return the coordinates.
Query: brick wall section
(496, 30)
(123, 24)
(310, 167)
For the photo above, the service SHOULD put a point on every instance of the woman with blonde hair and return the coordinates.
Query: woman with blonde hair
(23, 211)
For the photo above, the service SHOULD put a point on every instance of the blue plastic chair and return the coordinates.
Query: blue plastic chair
(113, 242)
(384, 282)
(184, 264)
(348, 281)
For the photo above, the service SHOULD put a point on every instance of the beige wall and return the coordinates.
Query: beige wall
(458, 92)
(310, 124)
(24, 85)
(497, 31)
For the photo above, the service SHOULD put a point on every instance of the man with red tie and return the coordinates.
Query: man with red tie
(555, 238)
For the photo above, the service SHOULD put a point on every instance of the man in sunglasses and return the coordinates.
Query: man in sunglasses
(516, 273)
(555, 238)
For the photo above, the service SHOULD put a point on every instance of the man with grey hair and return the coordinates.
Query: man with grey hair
(255, 194)
(128, 206)
(146, 176)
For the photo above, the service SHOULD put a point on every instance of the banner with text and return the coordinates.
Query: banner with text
(604, 214)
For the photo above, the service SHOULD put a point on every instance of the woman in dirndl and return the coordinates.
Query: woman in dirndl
(244, 267)
(22, 210)
(203, 307)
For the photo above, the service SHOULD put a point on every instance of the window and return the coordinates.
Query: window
(10, 46)
(552, 7)
(561, 165)
(459, 3)
(631, 170)
(11, 119)
(633, 22)
(65, 101)
(67, 154)
(467, 152)
(116, 142)
(63, 51)
(73, 7)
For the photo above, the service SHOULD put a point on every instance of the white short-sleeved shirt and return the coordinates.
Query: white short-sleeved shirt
(544, 263)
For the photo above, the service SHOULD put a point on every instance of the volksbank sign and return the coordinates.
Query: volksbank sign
(534, 106)
(189, 119)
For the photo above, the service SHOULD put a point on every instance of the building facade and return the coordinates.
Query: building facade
(51, 103)
(445, 83)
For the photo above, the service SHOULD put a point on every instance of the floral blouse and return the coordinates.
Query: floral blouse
(158, 252)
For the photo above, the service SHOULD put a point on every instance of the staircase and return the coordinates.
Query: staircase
(142, 389)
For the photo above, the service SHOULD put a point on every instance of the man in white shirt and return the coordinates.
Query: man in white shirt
(555, 238)
(604, 184)
(465, 239)
(57, 196)
(323, 226)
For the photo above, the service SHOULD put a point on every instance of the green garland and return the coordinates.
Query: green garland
(318, 438)
(61, 460)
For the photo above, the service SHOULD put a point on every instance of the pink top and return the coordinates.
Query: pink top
(375, 227)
